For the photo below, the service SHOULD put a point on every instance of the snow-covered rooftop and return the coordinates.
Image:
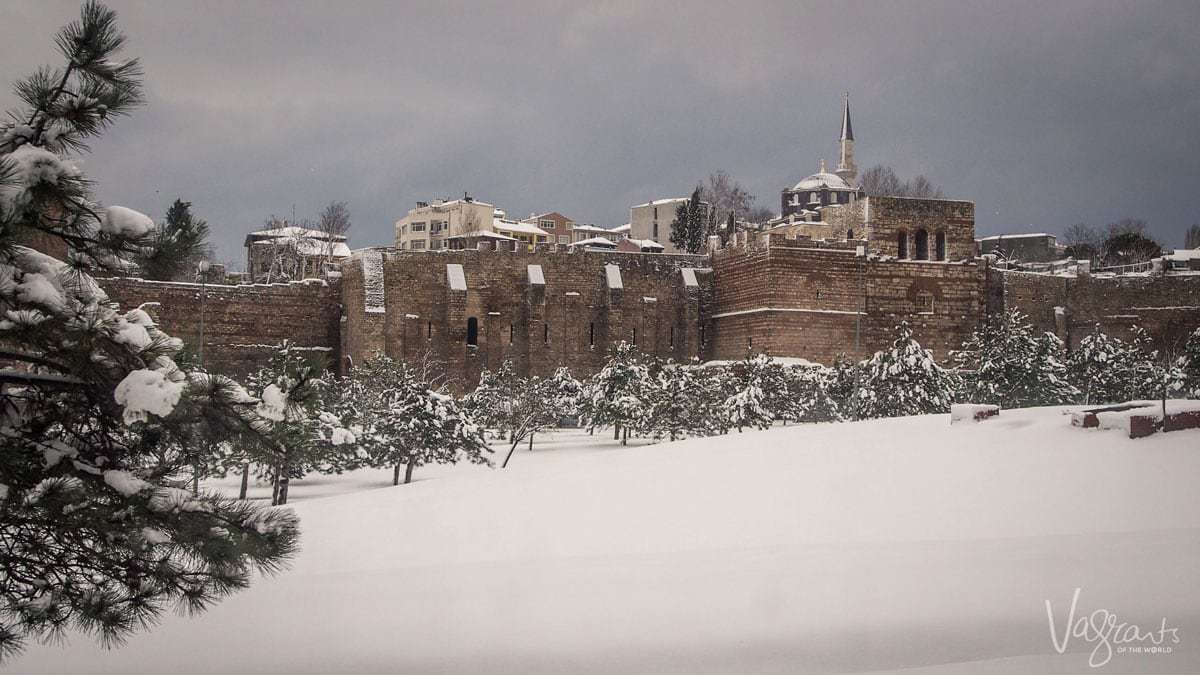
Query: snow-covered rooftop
(660, 202)
(296, 232)
(646, 243)
(596, 242)
(1025, 235)
(522, 228)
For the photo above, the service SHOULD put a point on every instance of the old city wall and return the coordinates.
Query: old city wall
(241, 323)
(542, 309)
(1167, 306)
(807, 299)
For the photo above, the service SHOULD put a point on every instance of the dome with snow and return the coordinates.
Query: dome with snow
(822, 180)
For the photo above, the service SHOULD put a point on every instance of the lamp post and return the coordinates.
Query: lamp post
(202, 275)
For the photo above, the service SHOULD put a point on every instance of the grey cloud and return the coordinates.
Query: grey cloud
(1043, 114)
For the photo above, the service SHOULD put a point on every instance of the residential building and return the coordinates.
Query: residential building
(437, 225)
(559, 228)
(652, 221)
(291, 253)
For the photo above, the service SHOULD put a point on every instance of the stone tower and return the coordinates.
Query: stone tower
(846, 169)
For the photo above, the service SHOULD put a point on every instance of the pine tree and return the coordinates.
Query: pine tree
(178, 245)
(613, 396)
(674, 405)
(690, 227)
(903, 380)
(97, 440)
(1006, 364)
(760, 393)
(809, 399)
(1106, 369)
(1189, 365)
(400, 422)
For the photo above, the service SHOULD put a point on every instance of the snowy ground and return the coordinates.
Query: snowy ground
(874, 546)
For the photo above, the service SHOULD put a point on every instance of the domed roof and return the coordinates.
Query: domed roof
(820, 180)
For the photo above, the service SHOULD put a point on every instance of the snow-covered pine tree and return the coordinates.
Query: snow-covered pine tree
(178, 244)
(297, 433)
(808, 398)
(534, 404)
(674, 405)
(760, 393)
(613, 396)
(489, 404)
(1106, 369)
(400, 422)
(841, 381)
(100, 533)
(903, 380)
(1189, 364)
(1005, 363)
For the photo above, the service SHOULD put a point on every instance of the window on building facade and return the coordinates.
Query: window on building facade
(510, 333)
(417, 245)
(564, 238)
(902, 244)
(655, 234)
(940, 246)
(635, 336)
(428, 330)
(546, 224)
(592, 334)
(671, 342)
(922, 245)
(418, 227)
(472, 332)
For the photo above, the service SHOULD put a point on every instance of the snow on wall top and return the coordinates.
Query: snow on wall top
(612, 274)
(536, 278)
(373, 293)
(689, 277)
(456, 277)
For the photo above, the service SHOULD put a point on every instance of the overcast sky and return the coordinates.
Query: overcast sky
(1044, 114)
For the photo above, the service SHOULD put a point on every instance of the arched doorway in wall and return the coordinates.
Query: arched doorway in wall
(922, 245)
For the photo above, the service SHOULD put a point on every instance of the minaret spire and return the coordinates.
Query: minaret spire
(846, 168)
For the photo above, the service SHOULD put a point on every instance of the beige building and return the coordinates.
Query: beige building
(652, 221)
(438, 225)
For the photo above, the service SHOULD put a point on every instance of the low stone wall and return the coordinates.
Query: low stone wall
(241, 323)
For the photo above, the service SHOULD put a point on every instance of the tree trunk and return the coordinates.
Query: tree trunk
(408, 471)
(616, 432)
(196, 480)
(245, 481)
(275, 485)
(396, 475)
(507, 457)
(625, 437)
(284, 479)
(531, 442)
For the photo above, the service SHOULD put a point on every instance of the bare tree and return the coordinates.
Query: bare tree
(1127, 226)
(1191, 238)
(724, 196)
(882, 181)
(334, 222)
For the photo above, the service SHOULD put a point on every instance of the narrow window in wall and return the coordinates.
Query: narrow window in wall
(592, 334)
(940, 246)
(849, 234)
(429, 330)
(750, 343)
(701, 336)
(510, 333)
(902, 244)
(672, 342)
(922, 242)
(473, 332)
(546, 333)
(635, 335)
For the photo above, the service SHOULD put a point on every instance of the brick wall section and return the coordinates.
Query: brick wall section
(1166, 305)
(887, 216)
(241, 323)
(800, 298)
(362, 332)
(573, 320)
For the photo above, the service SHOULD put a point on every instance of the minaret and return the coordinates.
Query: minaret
(846, 170)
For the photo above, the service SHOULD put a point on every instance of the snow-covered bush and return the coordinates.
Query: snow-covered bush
(903, 380)
(97, 421)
